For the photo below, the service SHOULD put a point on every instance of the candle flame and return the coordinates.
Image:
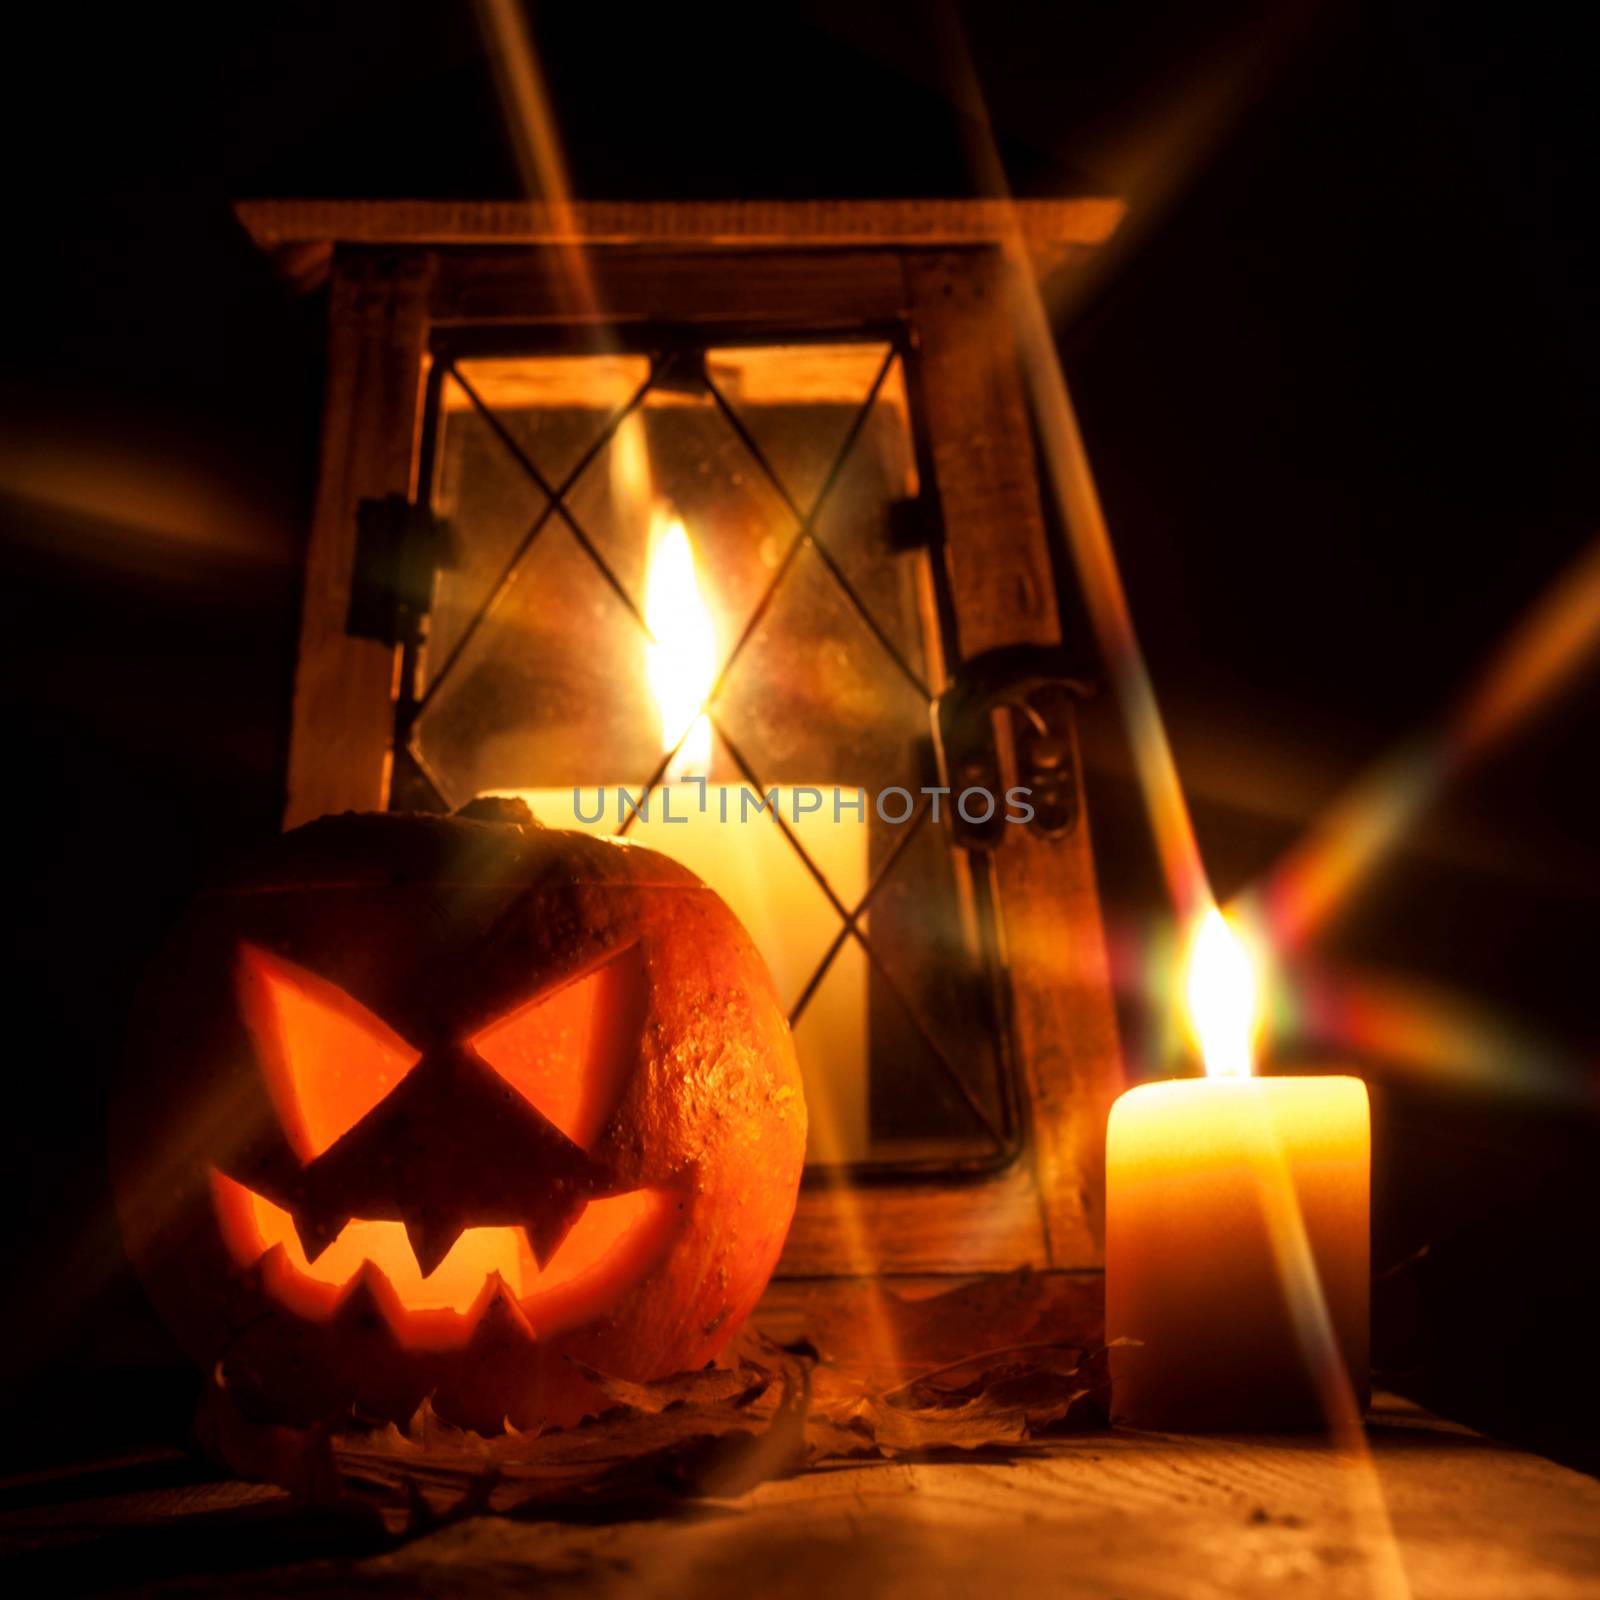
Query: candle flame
(1221, 990)
(682, 660)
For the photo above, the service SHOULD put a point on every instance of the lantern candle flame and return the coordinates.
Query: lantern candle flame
(1221, 991)
(682, 658)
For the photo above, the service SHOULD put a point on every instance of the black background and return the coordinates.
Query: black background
(1336, 379)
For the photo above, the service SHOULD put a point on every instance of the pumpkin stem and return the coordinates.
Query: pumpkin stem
(498, 808)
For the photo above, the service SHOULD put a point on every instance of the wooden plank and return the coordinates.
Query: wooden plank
(819, 290)
(1435, 1513)
(339, 754)
(1087, 220)
(1000, 579)
(983, 459)
(1429, 1512)
(1066, 1025)
(796, 375)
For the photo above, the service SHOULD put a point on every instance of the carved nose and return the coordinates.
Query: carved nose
(454, 1146)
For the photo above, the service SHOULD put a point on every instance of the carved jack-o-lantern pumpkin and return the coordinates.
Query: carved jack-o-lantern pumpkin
(426, 1105)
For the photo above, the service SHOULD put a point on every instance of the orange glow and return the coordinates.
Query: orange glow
(1222, 993)
(453, 1285)
(601, 1240)
(570, 1054)
(327, 1060)
(683, 658)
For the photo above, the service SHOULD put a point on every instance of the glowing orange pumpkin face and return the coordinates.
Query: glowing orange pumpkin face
(425, 1105)
(345, 1086)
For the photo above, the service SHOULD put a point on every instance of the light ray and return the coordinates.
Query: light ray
(1546, 650)
(1071, 481)
(1319, 1344)
(1429, 1032)
(1152, 163)
(525, 103)
(526, 106)
(1083, 518)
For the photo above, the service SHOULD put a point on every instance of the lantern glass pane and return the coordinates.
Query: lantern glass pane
(816, 655)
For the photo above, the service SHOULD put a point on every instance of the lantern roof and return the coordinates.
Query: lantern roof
(1050, 230)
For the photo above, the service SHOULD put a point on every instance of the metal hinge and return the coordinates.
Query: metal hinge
(1032, 686)
(400, 548)
(912, 523)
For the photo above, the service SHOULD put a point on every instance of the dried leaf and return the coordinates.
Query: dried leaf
(974, 1426)
(998, 1403)
(709, 1386)
(868, 1330)
(765, 1411)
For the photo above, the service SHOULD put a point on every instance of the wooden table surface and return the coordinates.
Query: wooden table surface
(1433, 1510)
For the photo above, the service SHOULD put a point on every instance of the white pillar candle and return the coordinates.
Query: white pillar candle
(1236, 1229)
(1236, 1250)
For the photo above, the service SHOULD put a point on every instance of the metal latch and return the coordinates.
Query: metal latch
(1032, 685)
(400, 547)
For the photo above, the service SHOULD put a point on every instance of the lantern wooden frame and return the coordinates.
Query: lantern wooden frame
(397, 271)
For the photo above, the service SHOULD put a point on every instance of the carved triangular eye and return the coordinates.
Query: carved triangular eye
(569, 1053)
(327, 1060)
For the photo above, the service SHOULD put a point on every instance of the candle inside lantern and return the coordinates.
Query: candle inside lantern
(1236, 1228)
(718, 832)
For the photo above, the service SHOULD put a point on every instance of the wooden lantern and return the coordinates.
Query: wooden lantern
(471, 343)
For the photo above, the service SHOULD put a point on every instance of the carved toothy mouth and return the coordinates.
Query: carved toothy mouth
(613, 1245)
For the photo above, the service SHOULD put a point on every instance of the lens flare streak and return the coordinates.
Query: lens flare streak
(1078, 501)
(1426, 1031)
(1541, 656)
